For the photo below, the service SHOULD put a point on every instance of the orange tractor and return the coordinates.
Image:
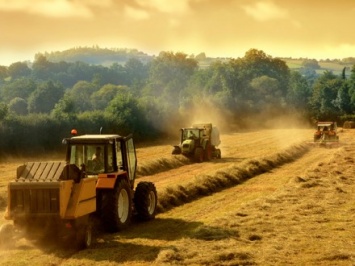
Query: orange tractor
(96, 179)
(326, 133)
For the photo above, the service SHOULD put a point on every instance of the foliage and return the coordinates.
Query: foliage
(80, 95)
(18, 106)
(18, 69)
(44, 98)
(21, 87)
(3, 72)
(125, 91)
(105, 94)
(310, 63)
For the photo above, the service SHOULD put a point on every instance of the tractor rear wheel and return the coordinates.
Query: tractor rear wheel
(116, 209)
(219, 155)
(83, 237)
(6, 234)
(208, 151)
(145, 200)
(198, 155)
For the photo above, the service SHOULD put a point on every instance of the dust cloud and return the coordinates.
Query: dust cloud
(226, 121)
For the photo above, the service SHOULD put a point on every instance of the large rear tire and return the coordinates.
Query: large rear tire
(116, 210)
(219, 154)
(145, 201)
(198, 155)
(208, 151)
(6, 234)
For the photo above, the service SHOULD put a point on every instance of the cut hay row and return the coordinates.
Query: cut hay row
(162, 164)
(204, 185)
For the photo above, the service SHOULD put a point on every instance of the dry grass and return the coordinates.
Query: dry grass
(298, 209)
(161, 164)
(204, 185)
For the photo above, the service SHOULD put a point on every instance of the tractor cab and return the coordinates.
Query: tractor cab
(199, 142)
(191, 138)
(102, 154)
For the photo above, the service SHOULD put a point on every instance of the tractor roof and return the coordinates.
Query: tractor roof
(325, 123)
(94, 138)
(97, 136)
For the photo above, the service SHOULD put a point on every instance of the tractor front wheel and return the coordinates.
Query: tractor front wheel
(116, 210)
(145, 200)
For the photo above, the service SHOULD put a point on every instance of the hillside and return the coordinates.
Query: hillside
(286, 202)
(107, 57)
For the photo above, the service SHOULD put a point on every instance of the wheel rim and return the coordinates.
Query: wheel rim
(123, 203)
(88, 237)
(152, 202)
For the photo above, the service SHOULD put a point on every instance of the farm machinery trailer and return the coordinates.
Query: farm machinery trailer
(199, 142)
(96, 180)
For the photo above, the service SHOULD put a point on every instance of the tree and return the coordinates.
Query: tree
(18, 105)
(200, 57)
(137, 72)
(3, 73)
(352, 87)
(4, 110)
(310, 63)
(169, 75)
(80, 94)
(21, 88)
(44, 98)
(309, 74)
(42, 68)
(100, 99)
(266, 93)
(299, 93)
(126, 115)
(325, 92)
(256, 63)
(64, 109)
(343, 99)
(19, 69)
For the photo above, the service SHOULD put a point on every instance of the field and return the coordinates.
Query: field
(273, 199)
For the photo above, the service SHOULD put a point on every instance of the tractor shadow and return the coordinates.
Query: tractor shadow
(168, 229)
(228, 160)
(117, 247)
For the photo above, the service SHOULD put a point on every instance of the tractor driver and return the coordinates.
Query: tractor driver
(192, 135)
(97, 159)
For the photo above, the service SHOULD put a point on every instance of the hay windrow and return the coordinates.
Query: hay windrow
(204, 185)
(162, 164)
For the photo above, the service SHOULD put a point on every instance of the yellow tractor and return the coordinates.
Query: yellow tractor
(96, 180)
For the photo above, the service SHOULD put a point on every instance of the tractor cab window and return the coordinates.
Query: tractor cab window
(191, 134)
(94, 158)
(119, 155)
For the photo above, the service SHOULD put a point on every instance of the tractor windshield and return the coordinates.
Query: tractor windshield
(190, 133)
(94, 158)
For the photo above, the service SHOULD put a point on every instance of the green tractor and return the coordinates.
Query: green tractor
(199, 142)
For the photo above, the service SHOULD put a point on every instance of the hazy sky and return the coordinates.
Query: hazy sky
(221, 28)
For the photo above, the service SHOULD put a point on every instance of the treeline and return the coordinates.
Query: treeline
(41, 102)
(96, 55)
